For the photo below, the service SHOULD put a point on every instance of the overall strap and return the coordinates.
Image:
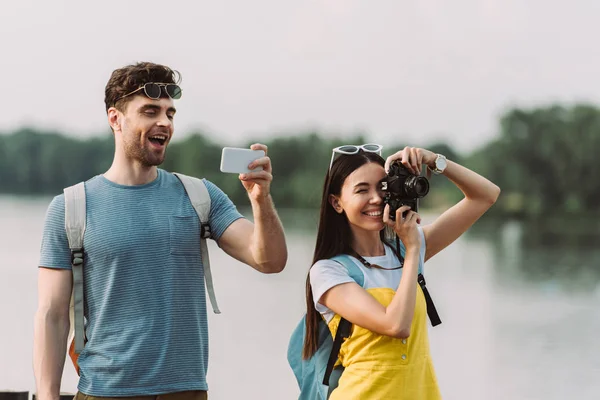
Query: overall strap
(200, 199)
(75, 215)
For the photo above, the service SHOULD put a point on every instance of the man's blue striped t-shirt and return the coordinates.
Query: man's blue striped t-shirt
(145, 302)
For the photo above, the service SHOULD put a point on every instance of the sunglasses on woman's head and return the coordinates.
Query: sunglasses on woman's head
(153, 91)
(349, 149)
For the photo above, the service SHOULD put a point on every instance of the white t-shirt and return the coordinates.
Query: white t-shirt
(325, 274)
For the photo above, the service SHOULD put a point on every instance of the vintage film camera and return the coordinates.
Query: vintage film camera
(401, 188)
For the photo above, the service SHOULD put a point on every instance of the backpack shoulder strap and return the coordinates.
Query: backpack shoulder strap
(75, 215)
(198, 194)
(344, 327)
(353, 270)
(200, 199)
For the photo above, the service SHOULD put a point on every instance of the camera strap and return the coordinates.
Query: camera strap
(434, 317)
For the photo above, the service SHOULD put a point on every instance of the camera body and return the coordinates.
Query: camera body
(402, 188)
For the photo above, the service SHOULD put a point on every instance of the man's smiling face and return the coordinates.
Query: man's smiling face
(146, 128)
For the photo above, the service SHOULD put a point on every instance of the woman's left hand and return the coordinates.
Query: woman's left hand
(258, 184)
(412, 158)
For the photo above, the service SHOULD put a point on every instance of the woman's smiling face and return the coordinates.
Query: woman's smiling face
(361, 198)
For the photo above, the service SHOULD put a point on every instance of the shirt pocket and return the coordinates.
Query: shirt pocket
(184, 235)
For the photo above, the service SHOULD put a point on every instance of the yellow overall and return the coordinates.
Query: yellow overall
(379, 367)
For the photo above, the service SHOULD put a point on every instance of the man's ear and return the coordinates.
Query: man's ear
(335, 203)
(114, 119)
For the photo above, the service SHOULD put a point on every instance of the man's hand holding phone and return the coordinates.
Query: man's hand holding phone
(254, 167)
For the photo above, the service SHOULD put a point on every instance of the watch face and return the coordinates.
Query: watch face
(440, 163)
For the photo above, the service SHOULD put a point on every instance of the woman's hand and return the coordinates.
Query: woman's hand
(405, 228)
(412, 158)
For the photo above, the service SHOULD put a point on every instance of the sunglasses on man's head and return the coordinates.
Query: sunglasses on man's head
(153, 90)
(349, 149)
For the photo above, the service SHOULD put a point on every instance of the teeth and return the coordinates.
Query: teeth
(374, 213)
(158, 137)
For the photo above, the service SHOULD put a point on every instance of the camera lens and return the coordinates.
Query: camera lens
(421, 187)
(416, 186)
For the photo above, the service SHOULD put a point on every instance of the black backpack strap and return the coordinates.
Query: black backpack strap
(343, 332)
(431, 311)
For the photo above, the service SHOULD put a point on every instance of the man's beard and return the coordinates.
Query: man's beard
(143, 155)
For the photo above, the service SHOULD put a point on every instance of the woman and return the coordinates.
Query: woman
(387, 354)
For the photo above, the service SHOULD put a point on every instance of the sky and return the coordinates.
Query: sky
(400, 71)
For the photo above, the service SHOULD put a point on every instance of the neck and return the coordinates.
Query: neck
(367, 243)
(130, 172)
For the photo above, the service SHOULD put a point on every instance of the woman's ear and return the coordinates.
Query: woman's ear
(335, 203)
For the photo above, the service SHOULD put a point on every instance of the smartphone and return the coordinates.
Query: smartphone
(236, 160)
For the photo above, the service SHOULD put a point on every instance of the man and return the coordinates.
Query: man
(145, 300)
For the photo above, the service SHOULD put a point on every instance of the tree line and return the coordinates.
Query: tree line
(543, 158)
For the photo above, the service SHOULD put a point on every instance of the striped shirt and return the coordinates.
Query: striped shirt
(145, 302)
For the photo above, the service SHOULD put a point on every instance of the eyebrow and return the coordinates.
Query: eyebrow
(156, 107)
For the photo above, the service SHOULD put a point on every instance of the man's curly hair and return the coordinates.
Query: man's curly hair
(131, 77)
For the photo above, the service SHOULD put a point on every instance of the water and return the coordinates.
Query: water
(518, 323)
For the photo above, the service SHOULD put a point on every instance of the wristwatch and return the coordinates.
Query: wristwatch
(440, 164)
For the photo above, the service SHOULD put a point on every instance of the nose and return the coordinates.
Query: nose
(377, 197)
(165, 121)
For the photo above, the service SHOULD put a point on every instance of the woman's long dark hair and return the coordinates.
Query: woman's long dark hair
(334, 235)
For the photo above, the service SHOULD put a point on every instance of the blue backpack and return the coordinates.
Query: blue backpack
(317, 377)
(313, 375)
